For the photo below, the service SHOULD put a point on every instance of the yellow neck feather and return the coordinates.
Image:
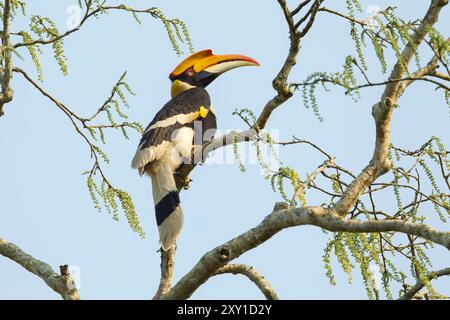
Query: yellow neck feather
(178, 87)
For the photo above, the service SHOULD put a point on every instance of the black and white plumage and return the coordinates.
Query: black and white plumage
(183, 123)
(168, 141)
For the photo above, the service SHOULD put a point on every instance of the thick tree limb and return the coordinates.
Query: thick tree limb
(382, 113)
(328, 219)
(419, 75)
(431, 17)
(63, 284)
(167, 265)
(254, 276)
(280, 219)
(419, 285)
(6, 92)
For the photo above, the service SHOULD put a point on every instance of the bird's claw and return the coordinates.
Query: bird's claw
(187, 182)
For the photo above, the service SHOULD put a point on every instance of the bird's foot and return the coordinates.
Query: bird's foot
(187, 183)
(184, 182)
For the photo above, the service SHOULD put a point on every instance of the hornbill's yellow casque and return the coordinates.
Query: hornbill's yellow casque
(171, 136)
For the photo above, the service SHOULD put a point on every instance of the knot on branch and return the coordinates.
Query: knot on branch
(282, 88)
(64, 270)
(67, 279)
(385, 166)
(7, 95)
(376, 111)
(224, 254)
(388, 102)
(280, 206)
(380, 110)
(442, 3)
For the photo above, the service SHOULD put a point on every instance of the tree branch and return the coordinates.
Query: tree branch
(431, 17)
(6, 93)
(408, 295)
(63, 284)
(336, 13)
(88, 14)
(254, 276)
(200, 154)
(382, 113)
(280, 81)
(280, 219)
(73, 118)
(167, 265)
(406, 81)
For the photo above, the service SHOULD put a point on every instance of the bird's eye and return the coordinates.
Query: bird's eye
(190, 72)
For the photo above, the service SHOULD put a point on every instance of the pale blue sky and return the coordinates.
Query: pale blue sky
(45, 207)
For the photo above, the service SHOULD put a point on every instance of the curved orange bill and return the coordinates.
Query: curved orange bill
(221, 63)
(205, 60)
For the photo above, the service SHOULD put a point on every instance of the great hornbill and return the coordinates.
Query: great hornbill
(177, 129)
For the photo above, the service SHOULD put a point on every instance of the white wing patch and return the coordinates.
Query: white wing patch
(146, 155)
(178, 148)
(183, 141)
(180, 118)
